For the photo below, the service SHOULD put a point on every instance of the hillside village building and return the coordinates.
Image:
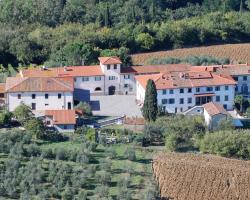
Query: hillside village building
(179, 86)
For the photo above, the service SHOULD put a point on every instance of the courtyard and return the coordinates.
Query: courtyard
(115, 105)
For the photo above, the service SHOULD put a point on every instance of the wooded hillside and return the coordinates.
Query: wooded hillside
(66, 32)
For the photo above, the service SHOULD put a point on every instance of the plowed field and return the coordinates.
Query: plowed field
(235, 52)
(201, 177)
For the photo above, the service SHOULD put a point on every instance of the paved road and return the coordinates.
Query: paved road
(116, 105)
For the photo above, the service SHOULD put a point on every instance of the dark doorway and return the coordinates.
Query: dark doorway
(69, 105)
(111, 90)
(33, 106)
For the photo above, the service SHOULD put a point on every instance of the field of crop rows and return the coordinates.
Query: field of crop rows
(190, 176)
(235, 52)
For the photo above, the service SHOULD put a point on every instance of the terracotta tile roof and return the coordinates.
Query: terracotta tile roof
(190, 79)
(143, 79)
(109, 60)
(71, 71)
(214, 109)
(62, 116)
(42, 84)
(234, 70)
(155, 69)
(2, 87)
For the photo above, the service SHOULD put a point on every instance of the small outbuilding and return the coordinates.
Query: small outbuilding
(214, 113)
(61, 120)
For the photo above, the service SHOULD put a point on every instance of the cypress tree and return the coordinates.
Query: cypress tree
(150, 105)
(107, 16)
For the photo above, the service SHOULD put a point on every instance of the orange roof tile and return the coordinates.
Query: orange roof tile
(42, 84)
(172, 80)
(109, 60)
(71, 71)
(155, 69)
(214, 109)
(62, 116)
(2, 87)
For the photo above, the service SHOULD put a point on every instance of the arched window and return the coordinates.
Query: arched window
(98, 89)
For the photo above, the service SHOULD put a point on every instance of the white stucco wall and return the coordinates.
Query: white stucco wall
(53, 102)
(129, 80)
(91, 84)
(112, 73)
(65, 128)
(140, 92)
(213, 121)
(171, 108)
(241, 83)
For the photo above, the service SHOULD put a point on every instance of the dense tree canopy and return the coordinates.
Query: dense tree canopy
(68, 32)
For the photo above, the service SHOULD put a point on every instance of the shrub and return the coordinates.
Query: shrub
(33, 150)
(82, 195)
(35, 126)
(22, 113)
(171, 142)
(48, 153)
(104, 177)
(110, 153)
(102, 191)
(82, 157)
(130, 154)
(5, 118)
(124, 181)
(61, 153)
(227, 143)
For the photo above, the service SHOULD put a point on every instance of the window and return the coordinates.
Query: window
(236, 78)
(46, 96)
(98, 89)
(236, 88)
(86, 78)
(217, 98)
(181, 101)
(65, 127)
(75, 79)
(217, 88)
(126, 76)
(98, 78)
(209, 89)
(244, 78)
(171, 91)
(189, 90)
(108, 67)
(46, 104)
(125, 85)
(181, 90)
(115, 66)
(175, 110)
(59, 95)
(111, 77)
(225, 106)
(19, 96)
(197, 89)
(171, 101)
(226, 87)
(189, 100)
(181, 109)
(33, 96)
(33, 106)
(164, 101)
(226, 98)
(48, 122)
(164, 91)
